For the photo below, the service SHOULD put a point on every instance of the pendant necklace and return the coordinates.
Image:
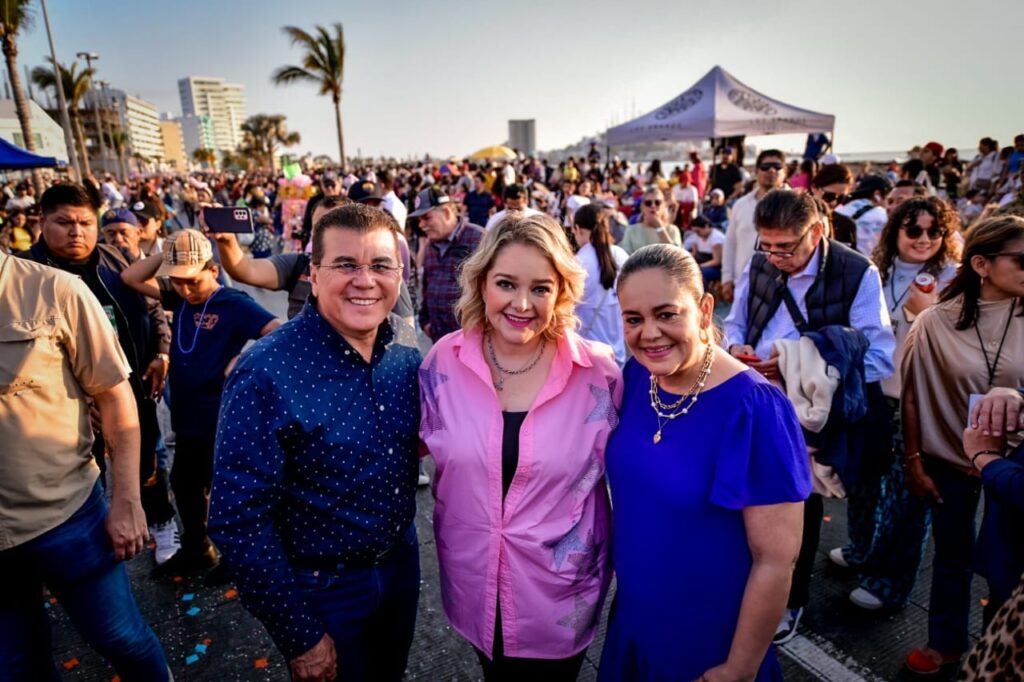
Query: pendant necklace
(500, 383)
(199, 325)
(666, 413)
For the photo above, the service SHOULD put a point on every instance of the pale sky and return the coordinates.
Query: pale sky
(444, 77)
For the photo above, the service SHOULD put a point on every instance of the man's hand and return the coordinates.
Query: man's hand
(728, 289)
(126, 527)
(319, 664)
(1001, 409)
(157, 374)
(769, 368)
(738, 349)
(918, 482)
(223, 238)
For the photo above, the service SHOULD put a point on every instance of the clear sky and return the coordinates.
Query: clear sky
(444, 77)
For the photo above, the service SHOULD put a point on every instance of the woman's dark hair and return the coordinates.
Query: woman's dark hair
(911, 169)
(809, 167)
(831, 174)
(591, 217)
(905, 215)
(985, 238)
(654, 170)
(670, 259)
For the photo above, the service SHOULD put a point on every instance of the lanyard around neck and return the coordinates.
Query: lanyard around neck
(993, 367)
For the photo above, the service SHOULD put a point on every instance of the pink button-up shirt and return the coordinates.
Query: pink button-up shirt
(544, 553)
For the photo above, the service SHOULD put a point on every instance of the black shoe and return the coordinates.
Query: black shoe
(218, 576)
(185, 562)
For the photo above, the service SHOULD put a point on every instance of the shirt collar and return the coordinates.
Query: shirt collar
(813, 265)
(315, 322)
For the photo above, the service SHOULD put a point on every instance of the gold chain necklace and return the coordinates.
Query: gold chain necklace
(502, 372)
(684, 404)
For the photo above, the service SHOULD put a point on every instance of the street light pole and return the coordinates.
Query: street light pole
(89, 57)
(101, 91)
(62, 102)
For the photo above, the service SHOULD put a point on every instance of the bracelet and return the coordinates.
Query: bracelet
(913, 455)
(978, 454)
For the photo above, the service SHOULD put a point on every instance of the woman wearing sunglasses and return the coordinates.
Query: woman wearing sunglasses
(917, 257)
(969, 343)
(830, 185)
(654, 226)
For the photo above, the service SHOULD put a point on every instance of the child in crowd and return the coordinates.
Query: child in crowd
(210, 326)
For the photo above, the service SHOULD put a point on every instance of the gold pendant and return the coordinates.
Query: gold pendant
(657, 437)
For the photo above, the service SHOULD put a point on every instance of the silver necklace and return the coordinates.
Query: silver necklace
(500, 383)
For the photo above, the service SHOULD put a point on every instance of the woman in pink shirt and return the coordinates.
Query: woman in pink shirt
(517, 409)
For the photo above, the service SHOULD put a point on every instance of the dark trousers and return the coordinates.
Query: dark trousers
(501, 668)
(800, 592)
(191, 479)
(156, 502)
(370, 613)
(76, 562)
(953, 530)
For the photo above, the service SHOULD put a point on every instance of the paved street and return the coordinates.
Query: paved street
(208, 635)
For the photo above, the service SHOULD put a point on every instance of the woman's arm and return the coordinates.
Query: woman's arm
(774, 533)
(918, 482)
(141, 275)
(716, 256)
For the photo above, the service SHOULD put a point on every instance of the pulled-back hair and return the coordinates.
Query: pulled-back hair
(591, 217)
(832, 174)
(985, 238)
(356, 217)
(784, 209)
(541, 232)
(905, 215)
(674, 261)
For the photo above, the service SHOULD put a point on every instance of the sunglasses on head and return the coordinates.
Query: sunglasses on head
(770, 165)
(650, 203)
(832, 197)
(915, 232)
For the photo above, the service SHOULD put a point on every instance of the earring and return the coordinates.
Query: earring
(704, 337)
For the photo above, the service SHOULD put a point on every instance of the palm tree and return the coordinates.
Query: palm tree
(323, 64)
(15, 17)
(206, 156)
(76, 85)
(263, 134)
(119, 143)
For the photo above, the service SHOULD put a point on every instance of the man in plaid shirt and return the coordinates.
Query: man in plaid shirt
(452, 240)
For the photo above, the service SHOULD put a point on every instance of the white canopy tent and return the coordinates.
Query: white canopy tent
(719, 106)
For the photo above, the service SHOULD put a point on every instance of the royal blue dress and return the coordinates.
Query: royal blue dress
(680, 547)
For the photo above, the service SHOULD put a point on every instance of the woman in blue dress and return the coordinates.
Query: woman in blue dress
(708, 472)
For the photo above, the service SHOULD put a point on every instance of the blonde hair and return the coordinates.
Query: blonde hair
(542, 233)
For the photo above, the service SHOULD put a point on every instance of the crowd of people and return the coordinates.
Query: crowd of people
(586, 414)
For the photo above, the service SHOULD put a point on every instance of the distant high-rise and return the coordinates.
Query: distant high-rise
(174, 143)
(522, 135)
(223, 103)
(141, 120)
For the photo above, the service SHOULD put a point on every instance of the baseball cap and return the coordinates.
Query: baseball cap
(185, 254)
(428, 200)
(364, 191)
(935, 148)
(119, 215)
(146, 210)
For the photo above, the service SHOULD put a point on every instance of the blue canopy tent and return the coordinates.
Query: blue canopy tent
(13, 157)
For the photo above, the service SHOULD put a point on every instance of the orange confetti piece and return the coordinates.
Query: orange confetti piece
(231, 594)
(207, 642)
(177, 578)
(260, 663)
(826, 519)
(73, 663)
(53, 600)
(984, 602)
(115, 678)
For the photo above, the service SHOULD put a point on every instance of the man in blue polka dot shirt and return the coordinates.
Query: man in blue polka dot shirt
(316, 464)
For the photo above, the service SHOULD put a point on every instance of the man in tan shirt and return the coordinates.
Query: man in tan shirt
(57, 348)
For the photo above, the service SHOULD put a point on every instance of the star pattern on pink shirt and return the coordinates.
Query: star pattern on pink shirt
(605, 407)
(587, 562)
(430, 380)
(587, 480)
(571, 543)
(581, 619)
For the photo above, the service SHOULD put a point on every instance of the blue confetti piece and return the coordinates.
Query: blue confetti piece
(191, 659)
(46, 604)
(188, 597)
(193, 611)
(201, 648)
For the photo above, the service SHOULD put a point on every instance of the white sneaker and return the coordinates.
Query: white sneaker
(865, 600)
(836, 555)
(424, 478)
(165, 535)
(787, 626)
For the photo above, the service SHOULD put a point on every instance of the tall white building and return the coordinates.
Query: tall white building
(197, 133)
(141, 120)
(223, 103)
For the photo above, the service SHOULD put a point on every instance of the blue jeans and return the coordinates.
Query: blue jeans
(76, 562)
(953, 531)
(370, 613)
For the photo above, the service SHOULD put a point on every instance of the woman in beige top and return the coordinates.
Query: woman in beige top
(969, 343)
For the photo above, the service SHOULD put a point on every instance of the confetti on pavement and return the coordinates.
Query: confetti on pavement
(188, 597)
(177, 578)
(200, 648)
(260, 663)
(984, 602)
(72, 663)
(231, 594)
(193, 611)
(189, 660)
(827, 519)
